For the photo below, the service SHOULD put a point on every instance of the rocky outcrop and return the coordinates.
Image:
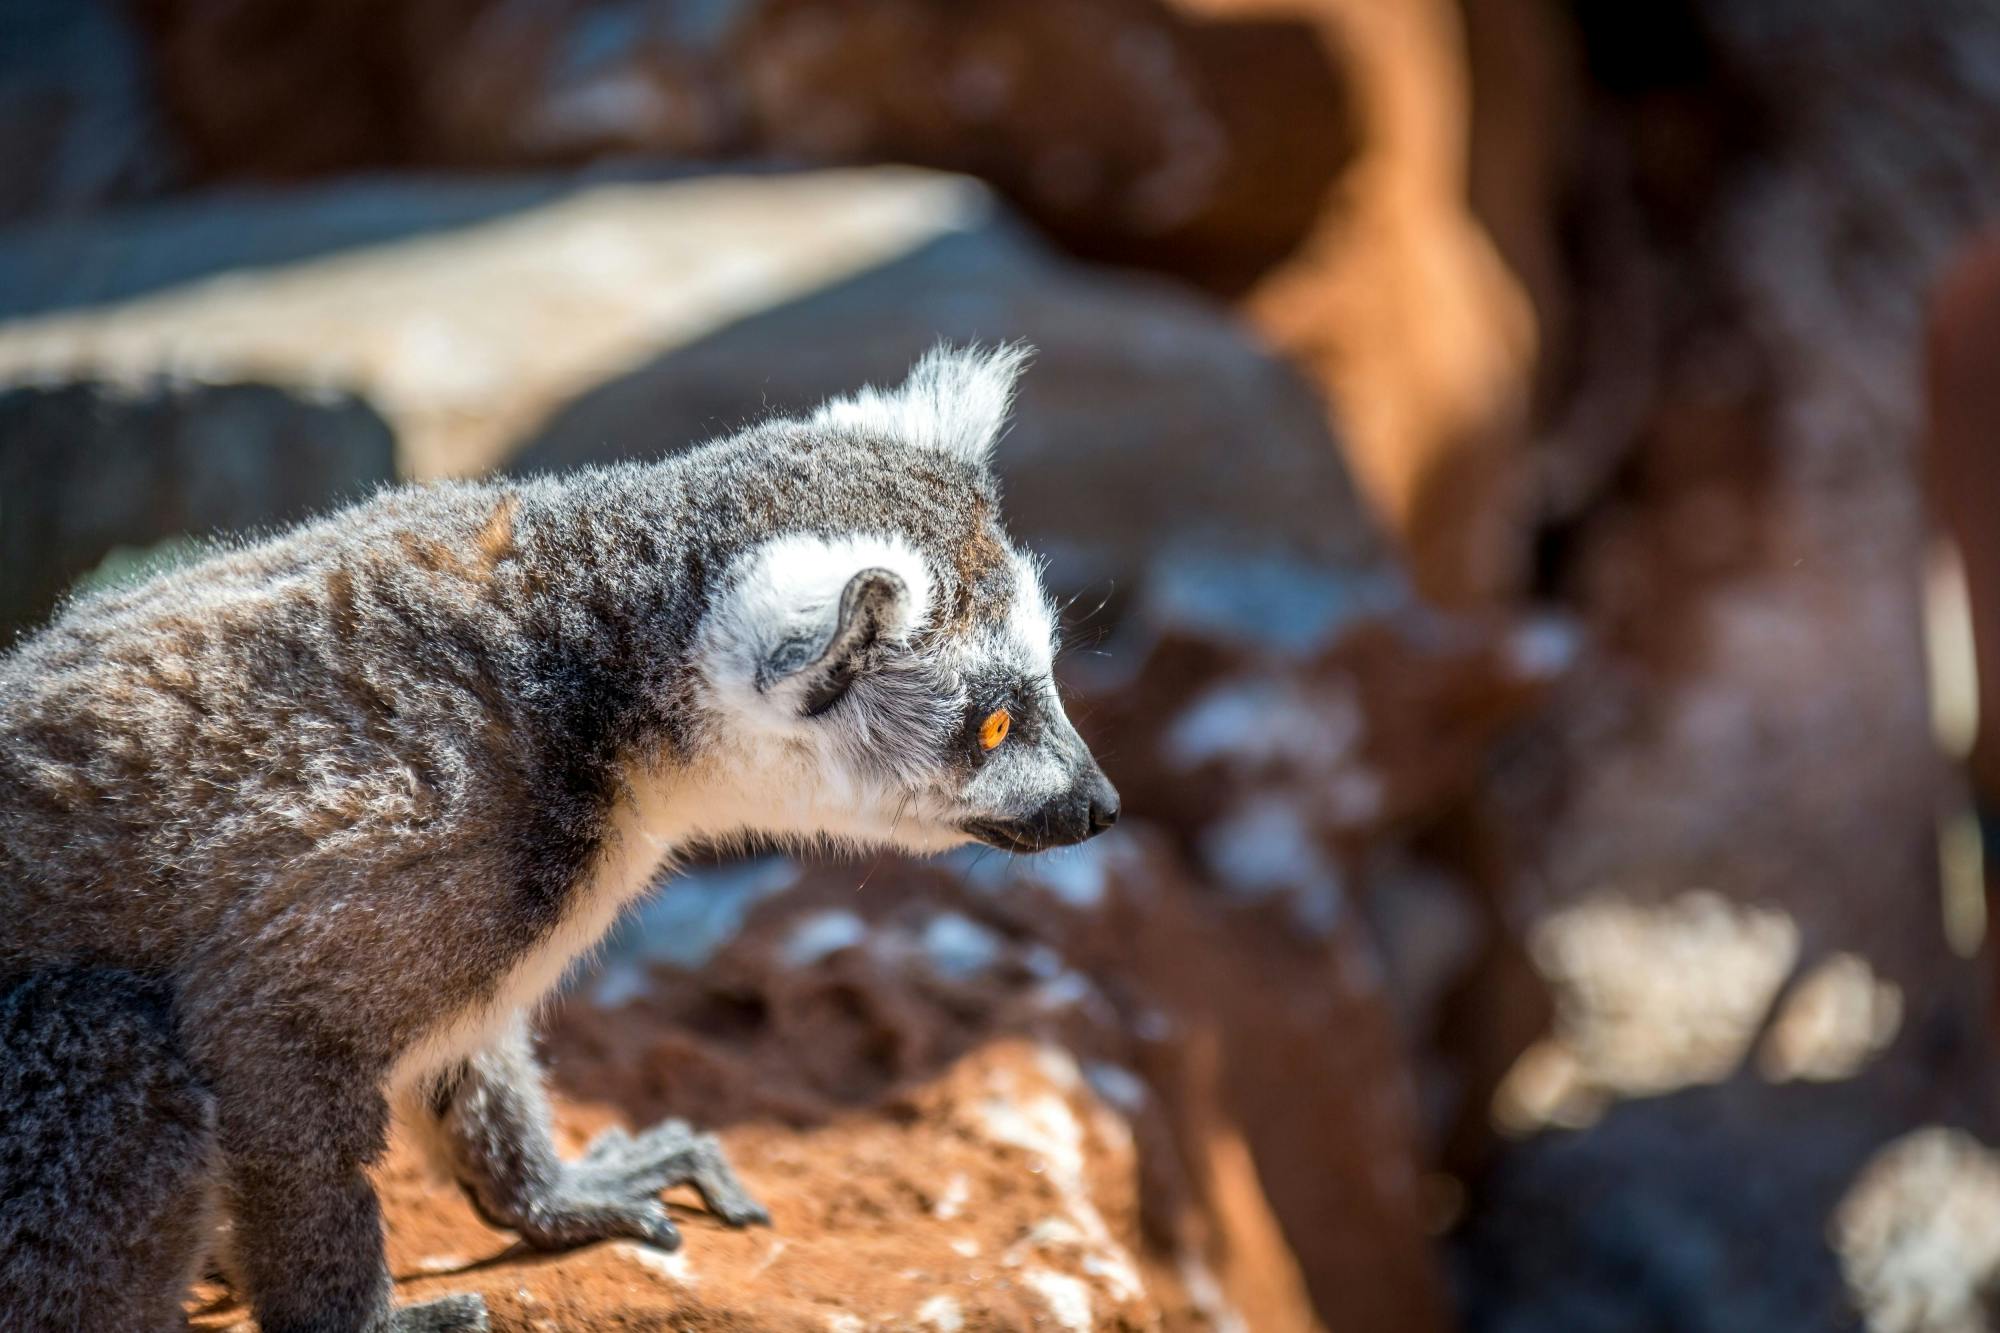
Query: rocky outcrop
(462, 313)
(1309, 155)
(1749, 775)
(1125, 126)
(92, 470)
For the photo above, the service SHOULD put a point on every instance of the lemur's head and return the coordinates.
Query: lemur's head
(877, 667)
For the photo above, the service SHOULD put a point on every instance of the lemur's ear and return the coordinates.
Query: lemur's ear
(955, 401)
(816, 667)
(805, 617)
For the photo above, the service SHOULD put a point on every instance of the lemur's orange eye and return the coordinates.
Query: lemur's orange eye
(994, 729)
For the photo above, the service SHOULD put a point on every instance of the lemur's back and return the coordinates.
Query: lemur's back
(417, 699)
(229, 727)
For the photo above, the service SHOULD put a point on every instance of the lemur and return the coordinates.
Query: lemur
(292, 840)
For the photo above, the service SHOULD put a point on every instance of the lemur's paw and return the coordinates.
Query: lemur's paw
(612, 1191)
(447, 1314)
(669, 1154)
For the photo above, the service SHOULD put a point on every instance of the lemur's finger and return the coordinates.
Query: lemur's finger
(649, 1222)
(724, 1194)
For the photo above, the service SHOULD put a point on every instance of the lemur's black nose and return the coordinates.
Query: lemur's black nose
(1103, 806)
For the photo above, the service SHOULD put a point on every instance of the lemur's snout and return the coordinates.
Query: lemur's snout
(1088, 808)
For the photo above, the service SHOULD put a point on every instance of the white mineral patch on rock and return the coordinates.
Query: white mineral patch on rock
(956, 1191)
(959, 948)
(672, 1265)
(1260, 720)
(1045, 1125)
(1268, 848)
(1918, 1235)
(1839, 1016)
(1649, 998)
(821, 934)
(1117, 1085)
(942, 1314)
(1067, 1297)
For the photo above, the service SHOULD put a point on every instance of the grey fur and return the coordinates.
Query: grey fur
(334, 794)
(92, 1234)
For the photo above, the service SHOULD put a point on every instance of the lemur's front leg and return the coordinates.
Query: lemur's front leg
(494, 1132)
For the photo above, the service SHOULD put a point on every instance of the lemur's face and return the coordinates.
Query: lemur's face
(845, 710)
(888, 688)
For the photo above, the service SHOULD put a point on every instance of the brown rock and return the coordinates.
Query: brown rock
(1398, 304)
(1000, 1194)
(1753, 577)
(1123, 125)
(1310, 153)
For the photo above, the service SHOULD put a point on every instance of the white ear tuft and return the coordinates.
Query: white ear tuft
(955, 401)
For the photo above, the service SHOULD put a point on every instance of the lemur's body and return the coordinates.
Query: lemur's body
(357, 796)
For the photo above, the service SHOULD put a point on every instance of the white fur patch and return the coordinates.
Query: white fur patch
(629, 862)
(955, 401)
(790, 587)
(1031, 621)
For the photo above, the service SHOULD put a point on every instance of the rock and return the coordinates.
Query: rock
(1398, 304)
(1308, 154)
(80, 127)
(1770, 521)
(1345, 787)
(1387, 725)
(1706, 1208)
(463, 313)
(1749, 761)
(1000, 1194)
(625, 319)
(1649, 999)
(1124, 125)
(89, 470)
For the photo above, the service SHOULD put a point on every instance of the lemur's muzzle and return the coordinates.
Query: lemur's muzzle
(1079, 814)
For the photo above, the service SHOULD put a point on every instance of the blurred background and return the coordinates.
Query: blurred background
(1485, 447)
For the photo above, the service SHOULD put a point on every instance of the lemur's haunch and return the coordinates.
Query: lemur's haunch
(300, 833)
